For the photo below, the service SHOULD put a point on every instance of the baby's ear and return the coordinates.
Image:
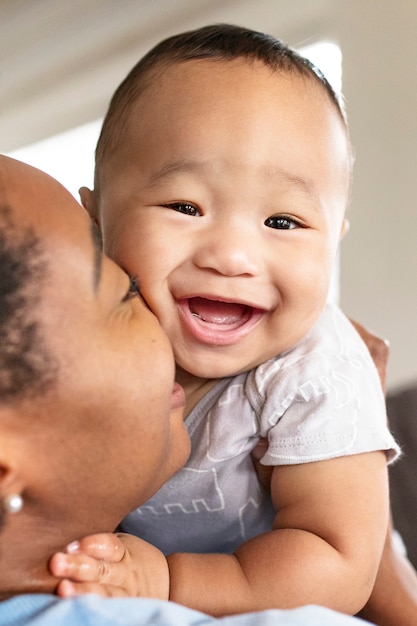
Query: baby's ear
(87, 198)
(345, 227)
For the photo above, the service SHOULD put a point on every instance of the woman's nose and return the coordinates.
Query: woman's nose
(229, 251)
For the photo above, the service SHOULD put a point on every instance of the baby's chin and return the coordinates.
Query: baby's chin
(217, 366)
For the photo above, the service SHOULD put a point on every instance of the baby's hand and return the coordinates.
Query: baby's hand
(111, 565)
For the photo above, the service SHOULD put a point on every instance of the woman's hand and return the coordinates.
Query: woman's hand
(378, 348)
(111, 565)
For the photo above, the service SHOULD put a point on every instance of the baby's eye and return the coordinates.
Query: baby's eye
(134, 289)
(281, 222)
(183, 207)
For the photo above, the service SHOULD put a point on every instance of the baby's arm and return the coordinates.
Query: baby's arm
(324, 548)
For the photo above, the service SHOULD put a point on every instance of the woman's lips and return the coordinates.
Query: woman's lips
(177, 397)
(217, 322)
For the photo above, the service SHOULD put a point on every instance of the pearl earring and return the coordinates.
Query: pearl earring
(13, 503)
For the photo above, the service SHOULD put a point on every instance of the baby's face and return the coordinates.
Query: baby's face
(227, 201)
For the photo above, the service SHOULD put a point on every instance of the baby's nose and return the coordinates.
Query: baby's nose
(229, 251)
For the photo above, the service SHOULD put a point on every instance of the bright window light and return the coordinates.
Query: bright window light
(327, 57)
(68, 157)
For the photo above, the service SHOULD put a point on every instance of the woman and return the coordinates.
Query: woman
(73, 404)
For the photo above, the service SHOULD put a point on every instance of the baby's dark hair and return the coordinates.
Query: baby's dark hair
(26, 366)
(222, 42)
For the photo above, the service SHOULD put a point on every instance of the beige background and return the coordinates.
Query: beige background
(60, 61)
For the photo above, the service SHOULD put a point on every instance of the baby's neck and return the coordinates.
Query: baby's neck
(195, 388)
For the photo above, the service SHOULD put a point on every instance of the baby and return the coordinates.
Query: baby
(222, 180)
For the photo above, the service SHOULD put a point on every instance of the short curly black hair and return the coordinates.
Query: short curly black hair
(223, 42)
(27, 367)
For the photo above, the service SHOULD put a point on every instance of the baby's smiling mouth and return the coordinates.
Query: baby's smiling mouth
(220, 313)
(217, 322)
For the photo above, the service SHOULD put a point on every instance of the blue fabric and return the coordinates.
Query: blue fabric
(90, 610)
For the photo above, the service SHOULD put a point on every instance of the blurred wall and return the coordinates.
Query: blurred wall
(60, 62)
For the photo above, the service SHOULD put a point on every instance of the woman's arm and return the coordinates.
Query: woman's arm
(393, 601)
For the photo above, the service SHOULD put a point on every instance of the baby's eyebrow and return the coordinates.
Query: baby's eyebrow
(97, 240)
(302, 183)
(174, 167)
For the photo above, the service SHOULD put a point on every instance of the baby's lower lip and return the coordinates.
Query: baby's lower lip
(216, 322)
(177, 397)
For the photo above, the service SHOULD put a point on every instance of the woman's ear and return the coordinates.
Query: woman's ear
(11, 485)
(88, 201)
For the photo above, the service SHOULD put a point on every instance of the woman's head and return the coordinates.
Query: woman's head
(26, 365)
(89, 424)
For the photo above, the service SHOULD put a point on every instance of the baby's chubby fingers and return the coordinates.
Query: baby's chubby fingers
(89, 559)
(80, 568)
(116, 565)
